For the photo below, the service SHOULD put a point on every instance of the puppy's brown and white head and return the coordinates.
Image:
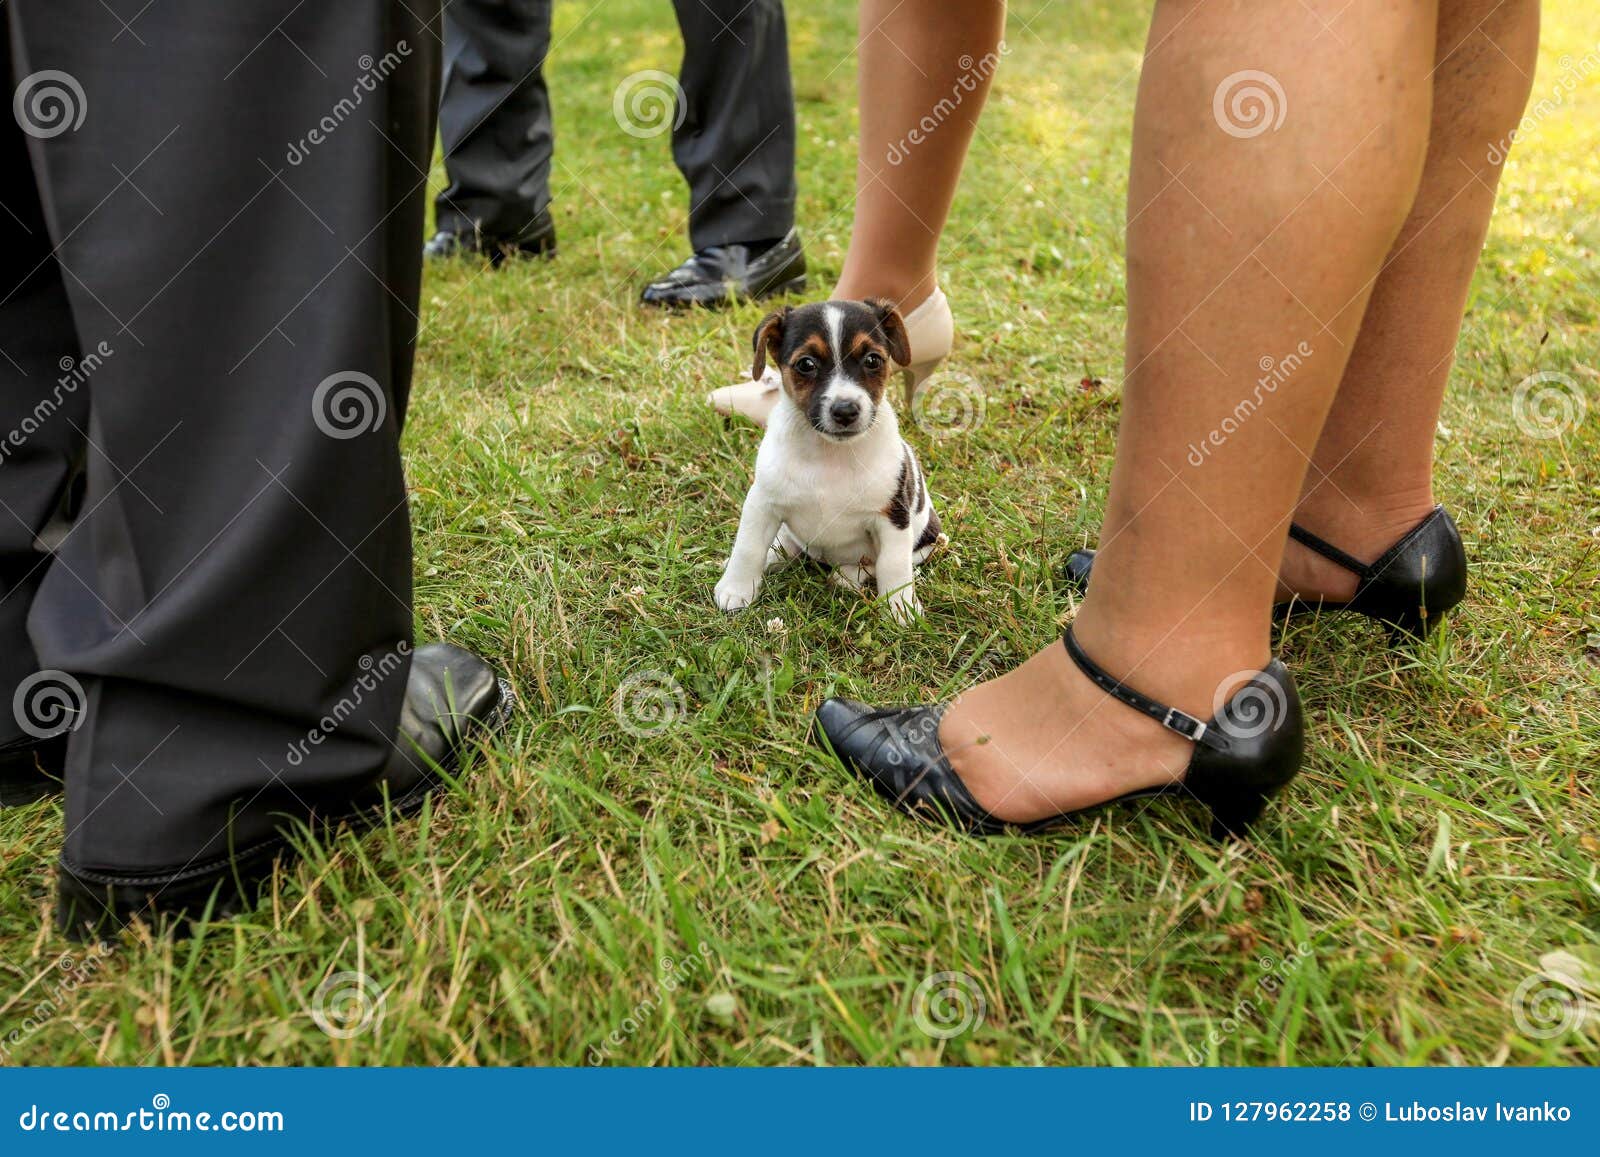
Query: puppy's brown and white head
(835, 357)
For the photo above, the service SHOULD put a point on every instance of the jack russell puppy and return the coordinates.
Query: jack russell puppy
(834, 480)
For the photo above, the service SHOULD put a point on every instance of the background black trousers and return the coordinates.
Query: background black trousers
(735, 144)
(207, 305)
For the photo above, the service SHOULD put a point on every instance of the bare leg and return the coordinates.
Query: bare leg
(1241, 245)
(924, 70)
(1372, 473)
(919, 63)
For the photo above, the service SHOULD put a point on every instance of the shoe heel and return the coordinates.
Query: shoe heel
(1261, 741)
(1412, 627)
(1232, 818)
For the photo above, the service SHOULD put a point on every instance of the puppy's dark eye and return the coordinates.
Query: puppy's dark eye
(872, 363)
(806, 366)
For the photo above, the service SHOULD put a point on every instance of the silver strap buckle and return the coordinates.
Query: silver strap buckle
(1184, 724)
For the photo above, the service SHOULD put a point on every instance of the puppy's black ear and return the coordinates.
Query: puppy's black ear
(893, 329)
(768, 339)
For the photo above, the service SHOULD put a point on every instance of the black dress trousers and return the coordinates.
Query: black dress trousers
(733, 137)
(207, 320)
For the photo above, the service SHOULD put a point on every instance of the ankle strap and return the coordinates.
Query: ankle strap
(1196, 730)
(1328, 551)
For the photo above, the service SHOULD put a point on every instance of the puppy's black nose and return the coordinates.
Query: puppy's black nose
(845, 413)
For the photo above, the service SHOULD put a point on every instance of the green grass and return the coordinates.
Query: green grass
(573, 499)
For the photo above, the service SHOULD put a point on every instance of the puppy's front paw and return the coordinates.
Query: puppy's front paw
(733, 595)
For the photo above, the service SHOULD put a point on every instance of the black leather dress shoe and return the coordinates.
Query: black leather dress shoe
(30, 769)
(538, 240)
(452, 698)
(1243, 755)
(723, 274)
(1408, 590)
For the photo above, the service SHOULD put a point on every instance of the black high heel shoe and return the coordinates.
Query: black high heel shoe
(1242, 757)
(1408, 590)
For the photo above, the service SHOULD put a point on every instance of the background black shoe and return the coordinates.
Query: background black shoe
(538, 240)
(30, 769)
(1408, 589)
(723, 274)
(452, 699)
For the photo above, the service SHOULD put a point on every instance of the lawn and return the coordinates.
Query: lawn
(653, 867)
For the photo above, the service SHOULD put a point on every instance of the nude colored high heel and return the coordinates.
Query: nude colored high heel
(930, 331)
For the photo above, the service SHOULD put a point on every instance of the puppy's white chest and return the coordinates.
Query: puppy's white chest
(830, 509)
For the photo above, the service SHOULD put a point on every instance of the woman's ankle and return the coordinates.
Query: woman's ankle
(1187, 665)
(1363, 523)
(906, 289)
